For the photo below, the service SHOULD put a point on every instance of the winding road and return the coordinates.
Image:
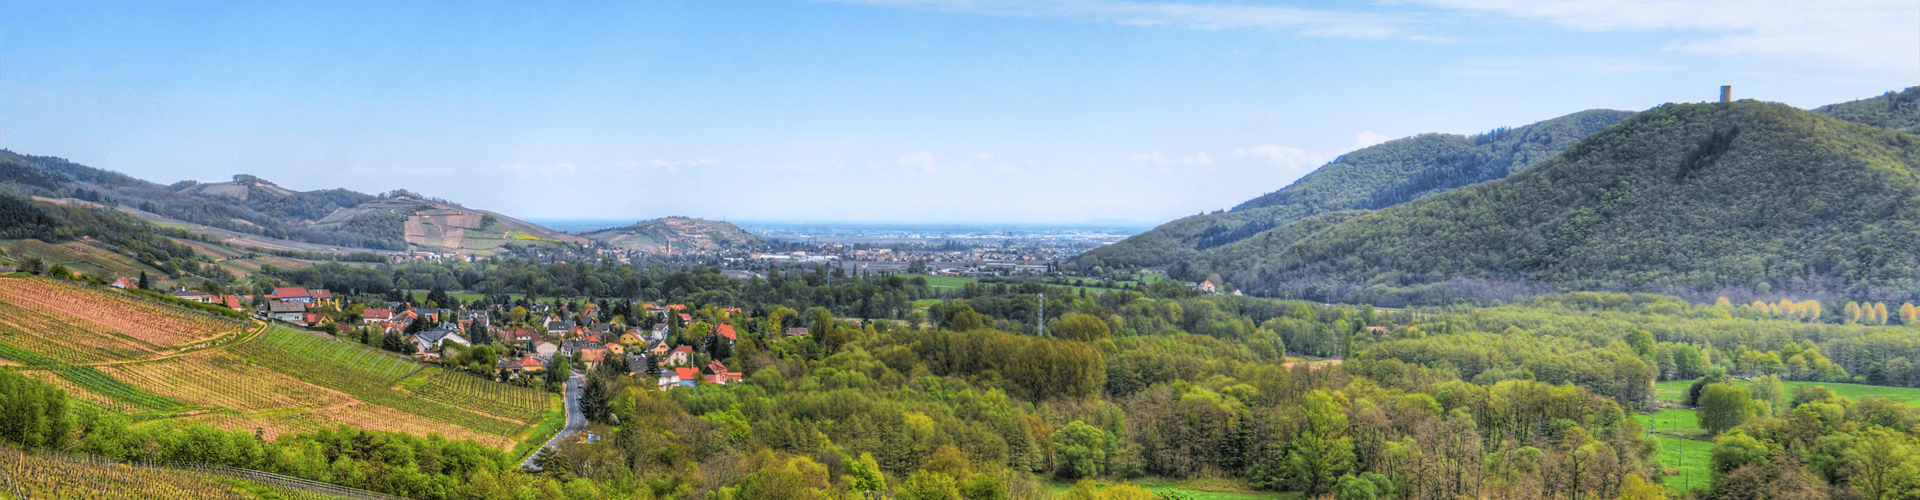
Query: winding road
(575, 420)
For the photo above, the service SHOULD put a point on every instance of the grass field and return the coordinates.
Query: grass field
(1674, 390)
(1681, 438)
(1199, 489)
(954, 282)
(1683, 447)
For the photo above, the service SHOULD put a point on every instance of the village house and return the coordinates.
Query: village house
(718, 374)
(660, 331)
(593, 354)
(376, 315)
(680, 356)
(196, 296)
(123, 283)
(557, 327)
(659, 350)
(616, 349)
(291, 294)
(286, 310)
(233, 302)
(546, 349)
(529, 363)
(726, 330)
(679, 377)
(632, 337)
(432, 340)
(522, 334)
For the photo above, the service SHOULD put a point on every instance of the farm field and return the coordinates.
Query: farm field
(1198, 489)
(223, 380)
(369, 375)
(1683, 447)
(501, 400)
(1674, 390)
(77, 324)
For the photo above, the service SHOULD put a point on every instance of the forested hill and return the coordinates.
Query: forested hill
(682, 233)
(1894, 110)
(1737, 199)
(1373, 177)
(255, 206)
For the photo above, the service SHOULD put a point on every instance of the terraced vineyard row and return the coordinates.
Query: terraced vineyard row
(361, 372)
(64, 339)
(125, 315)
(224, 380)
(94, 381)
(493, 398)
(347, 356)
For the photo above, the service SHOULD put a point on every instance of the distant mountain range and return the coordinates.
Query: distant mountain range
(1745, 198)
(677, 235)
(250, 212)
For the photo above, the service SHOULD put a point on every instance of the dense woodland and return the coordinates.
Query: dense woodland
(1748, 199)
(1369, 178)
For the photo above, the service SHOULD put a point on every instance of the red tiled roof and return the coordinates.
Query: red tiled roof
(686, 373)
(726, 330)
(290, 292)
(685, 348)
(377, 314)
(322, 294)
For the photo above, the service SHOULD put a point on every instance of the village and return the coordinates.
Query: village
(659, 342)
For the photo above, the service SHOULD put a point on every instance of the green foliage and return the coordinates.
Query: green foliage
(1723, 406)
(1612, 210)
(1893, 110)
(1082, 449)
(1370, 178)
(33, 415)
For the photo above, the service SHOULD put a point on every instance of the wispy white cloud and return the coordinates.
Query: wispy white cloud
(1368, 138)
(1207, 16)
(1164, 164)
(922, 159)
(543, 171)
(1877, 34)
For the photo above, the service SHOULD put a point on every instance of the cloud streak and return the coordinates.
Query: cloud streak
(1205, 16)
(1874, 34)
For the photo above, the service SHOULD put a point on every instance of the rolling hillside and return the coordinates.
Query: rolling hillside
(1894, 110)
(1370, 178)
(121, 352)
(682, 234)
(1737, 198)
(253, 212)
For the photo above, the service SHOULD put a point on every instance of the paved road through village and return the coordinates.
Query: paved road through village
(575, 419)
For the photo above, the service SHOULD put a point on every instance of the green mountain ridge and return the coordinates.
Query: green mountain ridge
(1893, 110)
(1369, 178)
(1706, 198)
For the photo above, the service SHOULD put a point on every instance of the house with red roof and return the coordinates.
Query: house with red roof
(717, 373)
(726, 330)
(291, 294)
(681, 356)
(123, 283)
(376, 315)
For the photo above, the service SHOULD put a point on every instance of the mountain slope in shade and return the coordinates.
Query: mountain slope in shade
(678, 235)
(1680, 197)
(1369, 178)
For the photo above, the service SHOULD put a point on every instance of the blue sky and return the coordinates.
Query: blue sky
(874, 110)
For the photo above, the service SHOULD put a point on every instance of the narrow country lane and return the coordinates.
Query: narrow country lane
(575, 420)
